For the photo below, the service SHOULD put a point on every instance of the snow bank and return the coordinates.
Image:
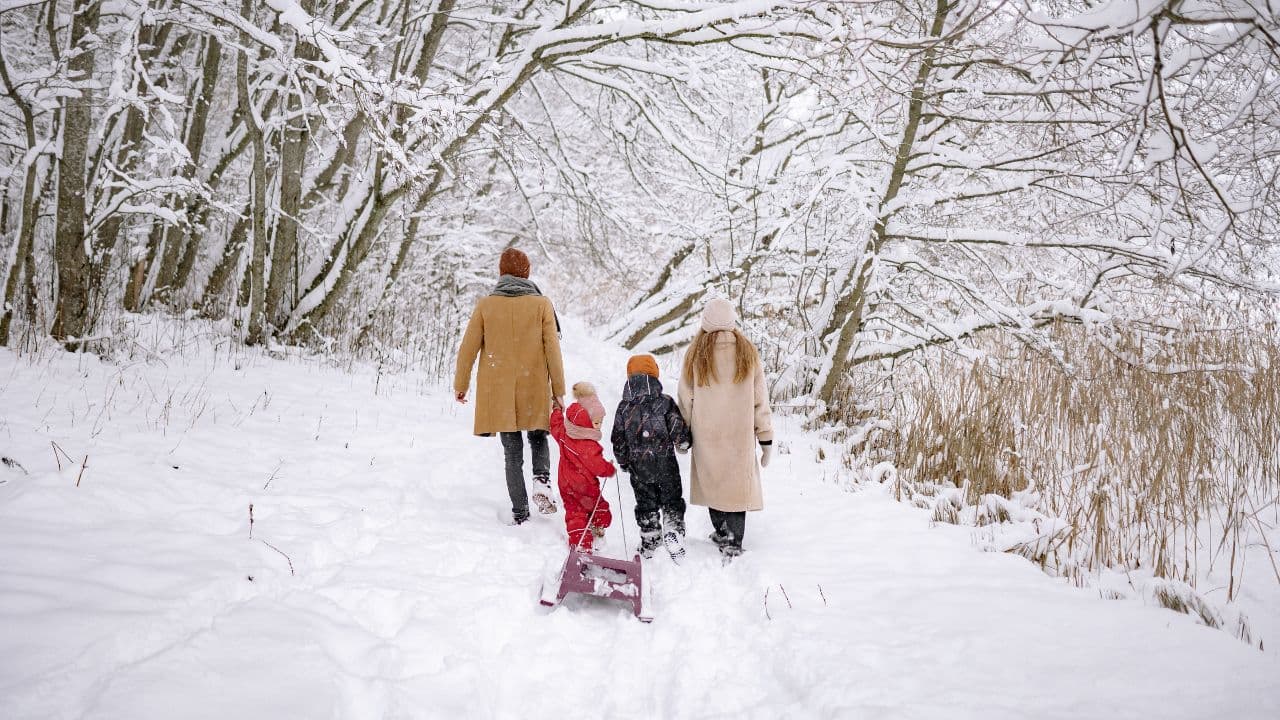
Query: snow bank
(140, 593)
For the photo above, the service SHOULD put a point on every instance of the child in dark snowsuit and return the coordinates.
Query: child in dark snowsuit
(647, 431)
(577, 431)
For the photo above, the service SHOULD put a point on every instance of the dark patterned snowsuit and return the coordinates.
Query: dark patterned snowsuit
(647, 429)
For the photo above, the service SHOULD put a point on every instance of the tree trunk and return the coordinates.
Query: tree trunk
(226, 266)
(72, 320)
(126, 155)
(178, 242)
(194, 233)
(293, 161)
(26, 241)
(380, 206)
(845, 319)
(27, 207)
(402, 256)
(258, 210)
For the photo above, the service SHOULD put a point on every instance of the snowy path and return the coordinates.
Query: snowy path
(129, 597)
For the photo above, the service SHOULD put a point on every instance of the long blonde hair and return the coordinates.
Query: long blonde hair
(700, 360)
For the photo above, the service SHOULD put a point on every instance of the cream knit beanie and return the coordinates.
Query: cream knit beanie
(719, 315)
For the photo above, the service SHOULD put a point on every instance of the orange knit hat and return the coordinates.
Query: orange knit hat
(642, 364)
(514, 262)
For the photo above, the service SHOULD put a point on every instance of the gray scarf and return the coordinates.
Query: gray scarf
(513, 286)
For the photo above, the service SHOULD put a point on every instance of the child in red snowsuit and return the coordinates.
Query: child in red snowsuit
(586, 513)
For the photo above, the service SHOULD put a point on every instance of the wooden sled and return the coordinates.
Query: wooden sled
(603, 577)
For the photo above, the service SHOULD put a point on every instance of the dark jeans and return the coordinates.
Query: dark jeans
(513, 451)
(657, 487)
(730, 526)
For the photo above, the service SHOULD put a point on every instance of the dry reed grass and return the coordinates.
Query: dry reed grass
(1160, 456)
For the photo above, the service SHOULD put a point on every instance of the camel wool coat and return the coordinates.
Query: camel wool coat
(520, 364)
(728, 421)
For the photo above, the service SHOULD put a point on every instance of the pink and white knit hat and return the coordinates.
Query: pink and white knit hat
(585, 394)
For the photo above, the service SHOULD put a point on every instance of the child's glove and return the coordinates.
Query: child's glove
(766, 454)
(682, 448)
(625, 468)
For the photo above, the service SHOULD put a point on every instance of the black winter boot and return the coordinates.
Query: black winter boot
(673, 522)
(649, 542)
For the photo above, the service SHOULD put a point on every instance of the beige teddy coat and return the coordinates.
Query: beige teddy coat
(728, 421)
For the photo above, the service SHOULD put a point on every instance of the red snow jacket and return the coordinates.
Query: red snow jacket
(581, 461)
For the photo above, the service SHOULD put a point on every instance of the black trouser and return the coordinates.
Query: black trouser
(657, 487)
(513, 450)
(731, 526)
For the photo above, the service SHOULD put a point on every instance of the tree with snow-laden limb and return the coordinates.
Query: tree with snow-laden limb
(884, 177)
(1010, 267)
(942, 169)
(303, 150)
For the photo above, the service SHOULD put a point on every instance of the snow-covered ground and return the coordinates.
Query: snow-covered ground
(140, 594)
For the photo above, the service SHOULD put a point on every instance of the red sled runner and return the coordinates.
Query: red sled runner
(603, 577)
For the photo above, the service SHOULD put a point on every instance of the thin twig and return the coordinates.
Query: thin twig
(10, 462)
(58, 449)
(766, 604)
(83, 465)
(1271, 555)
(250, 521)
(822, 594)
(273, 474)
(286, 557)
(784, 594)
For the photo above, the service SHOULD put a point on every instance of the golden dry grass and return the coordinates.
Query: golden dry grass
(1161, 456)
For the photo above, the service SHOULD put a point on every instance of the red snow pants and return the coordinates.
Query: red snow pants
(581, 463)
(580, 498)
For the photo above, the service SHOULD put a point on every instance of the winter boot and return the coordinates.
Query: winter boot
(673, 522)
(728, 552)
(649, 542)
(518, 518)
(675, 545)
(542, 495)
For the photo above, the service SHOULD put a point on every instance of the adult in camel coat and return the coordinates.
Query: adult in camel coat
(513, 331)
(724, 399)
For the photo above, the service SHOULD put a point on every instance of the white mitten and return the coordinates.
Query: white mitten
(766, 452)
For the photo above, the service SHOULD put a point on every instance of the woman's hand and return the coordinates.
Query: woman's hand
(766, 454)
(556, 403)
(461, 397)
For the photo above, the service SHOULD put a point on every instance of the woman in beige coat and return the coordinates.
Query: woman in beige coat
(514, 332)
(725, 401)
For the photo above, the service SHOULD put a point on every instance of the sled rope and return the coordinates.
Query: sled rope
(583, 533)
(617, 486)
